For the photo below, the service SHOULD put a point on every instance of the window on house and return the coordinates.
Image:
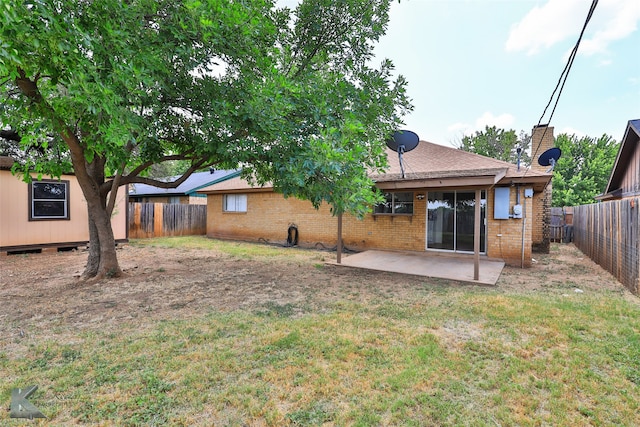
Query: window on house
(396, 203)
(235, 203)
(48, 200)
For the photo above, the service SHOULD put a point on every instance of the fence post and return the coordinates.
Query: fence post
(157, 219)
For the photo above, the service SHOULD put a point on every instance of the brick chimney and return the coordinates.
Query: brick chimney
(541, 140)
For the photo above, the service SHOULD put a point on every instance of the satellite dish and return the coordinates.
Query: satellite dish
(550, 157)
(403, 141)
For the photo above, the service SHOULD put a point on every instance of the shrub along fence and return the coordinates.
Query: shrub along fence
(609, 234)
(162, 219)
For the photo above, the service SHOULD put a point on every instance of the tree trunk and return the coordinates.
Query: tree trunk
(91, 177)
(102, 261)
(108, 265)
(93, 262)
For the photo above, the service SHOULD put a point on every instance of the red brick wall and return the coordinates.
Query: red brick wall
(504, 236)
(269, 216)
(541, 140)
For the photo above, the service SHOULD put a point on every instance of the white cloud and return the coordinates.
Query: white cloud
(559, 20)
(502, 121)
(459, 130)
(545, 26)
(613, 20)
(571, 131)
(458, 127)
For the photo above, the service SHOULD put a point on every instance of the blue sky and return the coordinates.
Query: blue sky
(475, 63)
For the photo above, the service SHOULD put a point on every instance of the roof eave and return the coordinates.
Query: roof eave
(237, 190)
(480, 181)
(623, 156)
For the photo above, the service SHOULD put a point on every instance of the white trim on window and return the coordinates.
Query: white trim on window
(235, 203)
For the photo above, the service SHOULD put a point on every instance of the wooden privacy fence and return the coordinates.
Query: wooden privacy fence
(609, 234)
(561, 225)
(162, 219)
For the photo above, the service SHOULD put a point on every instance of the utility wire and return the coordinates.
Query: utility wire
(561, 81)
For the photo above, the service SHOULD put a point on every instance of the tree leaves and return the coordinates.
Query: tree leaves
(288, 95)
(583, 170)
(498, 144)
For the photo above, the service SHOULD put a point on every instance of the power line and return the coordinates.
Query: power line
(562, 80)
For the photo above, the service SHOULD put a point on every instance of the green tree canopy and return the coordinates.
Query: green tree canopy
(583, 170)
(110, 88)
(498, 144)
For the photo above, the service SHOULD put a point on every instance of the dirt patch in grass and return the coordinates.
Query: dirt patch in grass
(42, 291)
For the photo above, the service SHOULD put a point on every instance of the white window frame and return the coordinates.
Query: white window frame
(234, 203)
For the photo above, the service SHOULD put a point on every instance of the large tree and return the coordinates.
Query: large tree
(583, 170)
(109, 88)
(498, 144)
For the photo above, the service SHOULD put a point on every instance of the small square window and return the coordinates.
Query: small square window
(48, 200)
(235, 203)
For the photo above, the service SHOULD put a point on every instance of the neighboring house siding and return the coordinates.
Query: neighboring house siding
(631, 180)
(196, 200)
(269, 216)
(16, 231)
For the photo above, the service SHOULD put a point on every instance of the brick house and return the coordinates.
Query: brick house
(431, 209)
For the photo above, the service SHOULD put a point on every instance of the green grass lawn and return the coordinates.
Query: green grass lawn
(450, 356)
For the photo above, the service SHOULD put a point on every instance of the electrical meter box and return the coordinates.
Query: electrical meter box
(517, 211)
(501, 203)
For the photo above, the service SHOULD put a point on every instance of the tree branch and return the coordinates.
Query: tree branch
(29, 88)
(135, 172)
(164, 184)
(10, 134)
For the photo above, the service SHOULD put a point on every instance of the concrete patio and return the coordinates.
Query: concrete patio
(429, 264)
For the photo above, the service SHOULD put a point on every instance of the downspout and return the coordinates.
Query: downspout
(339, 246)
(524, 226)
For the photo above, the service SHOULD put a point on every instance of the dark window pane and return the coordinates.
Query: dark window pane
(403, 203)
(441, 214)
(46, 208)
(49, 190)
(386, 206)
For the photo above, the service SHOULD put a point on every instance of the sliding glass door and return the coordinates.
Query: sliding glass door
(451, 217)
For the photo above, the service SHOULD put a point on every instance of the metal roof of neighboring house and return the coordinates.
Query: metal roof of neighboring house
(429, 165)
(192, 184)
(630, 143)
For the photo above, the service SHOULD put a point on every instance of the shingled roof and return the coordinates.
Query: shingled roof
(434, 165)
(430, 165)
